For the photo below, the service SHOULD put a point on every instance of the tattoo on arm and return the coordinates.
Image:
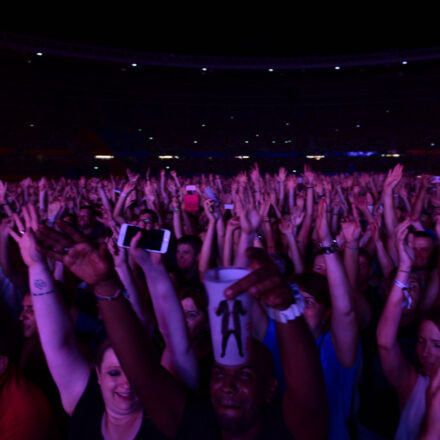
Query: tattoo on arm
(40, 284)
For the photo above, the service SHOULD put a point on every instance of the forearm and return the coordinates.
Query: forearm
(220, 228)
(106, 203)
(295, 254)
(54, 323)
(134, 297)
(246, 240)
(268, 236)
(177, 223)
(43, 203)
(207, 247)
(417, 207)
(291, 198)
(388, 325)
(304, 402)
(188, 223)
(389, 212)
(386, 263)
(227, 249)
(159, 393)
(171, 321)
(351, 262)
(118, 212)
(344, 325)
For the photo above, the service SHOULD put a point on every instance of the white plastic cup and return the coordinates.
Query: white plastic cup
(230, 320)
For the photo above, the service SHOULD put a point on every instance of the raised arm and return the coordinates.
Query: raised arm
(179, 357)
(207, 254)
(288, 229)
(250, 219)
(228, 250)
(159, 392)
(344, 324)
(390, 183)
(397, 369)
(304, 401)
(351, 231)
(132, 294)
(69, 367)
(417, 206)
(304, 233)
(118, 212)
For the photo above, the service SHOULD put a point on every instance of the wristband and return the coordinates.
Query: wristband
(329, 249)
(292, 312)
(407, 300)
(400, 284)
(119, 292)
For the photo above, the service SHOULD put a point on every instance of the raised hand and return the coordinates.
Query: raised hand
(286, 227)
(309, 176)
(291, 182)
(119, 254)
(351, 229)
(250, 218)
(282, 174)
(322, 227)
(393, 177)
(141, 256)
(210, 211)
(90, 263)
(297, 216)
(233, 223)
(25, 237)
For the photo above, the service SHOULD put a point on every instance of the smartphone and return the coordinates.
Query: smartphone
(211, 195)
(191, 202)
(435, 179)
(230, 206)
(191, 188)
(155, 240)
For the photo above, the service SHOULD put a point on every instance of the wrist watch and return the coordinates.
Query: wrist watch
(293, 311)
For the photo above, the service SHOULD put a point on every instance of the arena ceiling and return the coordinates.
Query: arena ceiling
(272, 30)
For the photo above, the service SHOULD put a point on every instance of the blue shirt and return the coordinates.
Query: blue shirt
(340, 384)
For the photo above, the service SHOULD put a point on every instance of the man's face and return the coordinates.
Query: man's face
(27, 317)
(237, 395)
(186, 256)
(86, 219)
(423, 247)
(146, 221)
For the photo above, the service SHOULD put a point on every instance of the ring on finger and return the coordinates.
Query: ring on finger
(22, 232)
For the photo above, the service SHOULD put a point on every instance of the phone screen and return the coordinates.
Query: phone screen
(151, 240)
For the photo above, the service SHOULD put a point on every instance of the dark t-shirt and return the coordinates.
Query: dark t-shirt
(198, 422)
(85, 423)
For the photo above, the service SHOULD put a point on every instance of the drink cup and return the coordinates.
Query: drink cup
(229, 319)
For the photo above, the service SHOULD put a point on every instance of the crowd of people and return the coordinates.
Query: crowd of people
(99, 340)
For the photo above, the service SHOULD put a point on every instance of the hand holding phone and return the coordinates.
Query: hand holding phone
(154, 240)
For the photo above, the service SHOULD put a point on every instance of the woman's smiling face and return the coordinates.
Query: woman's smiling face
(119, 398)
